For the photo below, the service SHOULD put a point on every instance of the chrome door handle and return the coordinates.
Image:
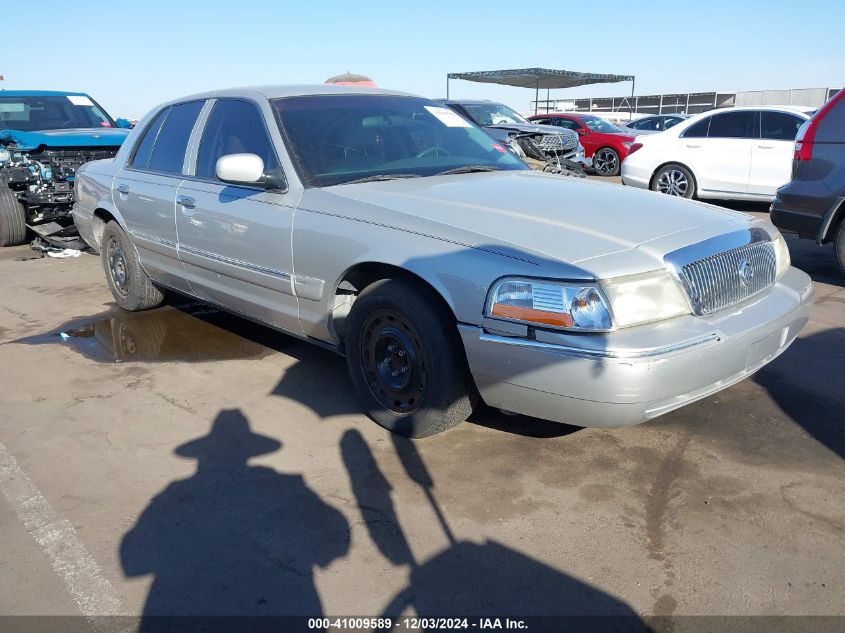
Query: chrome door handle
(692, 146)
(186, 202)
(123, 189)
(765, 146)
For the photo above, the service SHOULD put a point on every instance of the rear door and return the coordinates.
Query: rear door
(771, 151)
(144, 191)
(235, 240)
(718, 150)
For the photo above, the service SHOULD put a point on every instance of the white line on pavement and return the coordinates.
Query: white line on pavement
(55, 535)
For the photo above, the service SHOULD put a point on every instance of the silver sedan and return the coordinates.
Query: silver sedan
(392, 230)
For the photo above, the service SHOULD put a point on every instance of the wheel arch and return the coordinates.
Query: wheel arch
(360, 275)
(673, 162)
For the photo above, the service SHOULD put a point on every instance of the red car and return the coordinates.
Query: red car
(604, 142)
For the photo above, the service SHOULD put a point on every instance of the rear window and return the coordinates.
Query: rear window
(172, 142)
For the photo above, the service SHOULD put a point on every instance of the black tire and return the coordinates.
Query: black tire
(128, 282)
(839, 246)
(406, 359)
(606, 162)
(12, 217)
(674, 180)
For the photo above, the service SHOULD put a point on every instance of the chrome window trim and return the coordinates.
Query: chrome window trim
(611, 353)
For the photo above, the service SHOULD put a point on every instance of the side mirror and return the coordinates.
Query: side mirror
(125, 124)
(581, 131)
(246, 169)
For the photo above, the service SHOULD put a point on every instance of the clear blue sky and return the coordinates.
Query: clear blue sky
(132, 55)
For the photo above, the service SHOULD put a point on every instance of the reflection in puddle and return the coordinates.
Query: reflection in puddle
(191, 333)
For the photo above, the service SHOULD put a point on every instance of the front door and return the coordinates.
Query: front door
(144, 192)
(235, 241)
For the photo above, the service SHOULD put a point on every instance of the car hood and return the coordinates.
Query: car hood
(87, 137)
(545, 216)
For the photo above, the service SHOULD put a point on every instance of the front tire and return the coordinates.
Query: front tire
(128, 282)
(674, 180)
(606, 162)
(839, 246)
(406, 359)
(12, 217)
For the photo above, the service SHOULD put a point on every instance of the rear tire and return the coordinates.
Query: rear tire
(674, 180)
(128, 282)
(406, 359)
(606, 162)
(839, 246)
(12, 217)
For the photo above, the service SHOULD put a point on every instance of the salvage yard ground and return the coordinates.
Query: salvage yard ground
(733, 505)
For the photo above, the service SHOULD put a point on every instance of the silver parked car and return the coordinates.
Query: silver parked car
(391, 229)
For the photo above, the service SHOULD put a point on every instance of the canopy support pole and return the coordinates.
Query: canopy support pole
(537, 96)
(447, 86)
(633, 84)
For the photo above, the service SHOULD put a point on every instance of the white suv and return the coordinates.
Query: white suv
(738, 153)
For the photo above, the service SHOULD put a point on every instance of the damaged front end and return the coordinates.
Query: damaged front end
(41, 180)
(554, 153)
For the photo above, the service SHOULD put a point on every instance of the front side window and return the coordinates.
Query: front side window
(168, 153)
(234, 127)
(597, 124)
(37, 113)
(340, 138)
(569, 124)
(779, 126)
(731, 125)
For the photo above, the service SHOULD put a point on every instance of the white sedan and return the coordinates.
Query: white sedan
(742, 153)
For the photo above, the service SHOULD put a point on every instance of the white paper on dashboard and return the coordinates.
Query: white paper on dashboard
(448, 117)
(80, 100)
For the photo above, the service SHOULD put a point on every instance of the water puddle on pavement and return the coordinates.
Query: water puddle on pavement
(187, 333)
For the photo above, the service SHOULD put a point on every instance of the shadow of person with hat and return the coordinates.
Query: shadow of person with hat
(233, 539)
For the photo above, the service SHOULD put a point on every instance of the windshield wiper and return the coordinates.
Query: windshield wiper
(380, 177)
(468, 169)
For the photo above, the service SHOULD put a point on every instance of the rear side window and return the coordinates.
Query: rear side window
(141, 158)
(234, 127)
(779, 126)
(169, 150)
(698, 130)
(731, 125)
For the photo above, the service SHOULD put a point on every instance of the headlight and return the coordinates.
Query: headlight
(637, 299)
(627, 144)
(515, 148)
(781, 255)
(551, 304)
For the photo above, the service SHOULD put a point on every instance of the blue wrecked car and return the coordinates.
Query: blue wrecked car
(44, 138)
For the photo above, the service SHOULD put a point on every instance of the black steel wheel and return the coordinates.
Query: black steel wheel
(129, 284)
(406, 359)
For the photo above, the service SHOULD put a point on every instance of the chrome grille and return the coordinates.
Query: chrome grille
(731, 277)
(558, 142)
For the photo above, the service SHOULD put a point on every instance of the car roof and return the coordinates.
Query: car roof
(40, 93)
(469, 101)
(293, 90)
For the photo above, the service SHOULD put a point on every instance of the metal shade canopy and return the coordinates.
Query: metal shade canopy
(538, 78)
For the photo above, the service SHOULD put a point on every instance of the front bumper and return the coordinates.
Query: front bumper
(630, 376)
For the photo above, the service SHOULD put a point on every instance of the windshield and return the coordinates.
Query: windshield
(340, 138)
(493, 114)
(35, 113)
(599, 125)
